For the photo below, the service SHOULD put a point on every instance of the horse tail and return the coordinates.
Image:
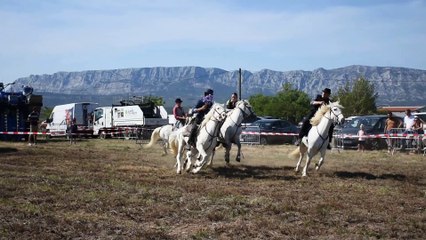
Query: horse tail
(296, 152)
(154, 137)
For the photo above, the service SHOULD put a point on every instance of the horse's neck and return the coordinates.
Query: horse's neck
(237, 116)
(325, 123)
(211, 126)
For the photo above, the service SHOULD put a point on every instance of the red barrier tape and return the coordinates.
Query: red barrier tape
(394, 135)
(25, 133)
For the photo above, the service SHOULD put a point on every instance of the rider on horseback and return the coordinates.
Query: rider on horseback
(200, 110)
(324, 98)
(179, 113)
(230, 104)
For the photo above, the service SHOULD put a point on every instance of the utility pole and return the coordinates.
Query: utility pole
(239, 85)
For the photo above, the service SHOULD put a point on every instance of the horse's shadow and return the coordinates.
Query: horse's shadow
(368, 176)
(254, 172)
(7, 149)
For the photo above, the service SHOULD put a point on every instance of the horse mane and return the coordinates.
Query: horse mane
(208, 116)
(316, 119)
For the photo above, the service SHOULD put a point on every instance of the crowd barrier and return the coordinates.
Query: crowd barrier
(133, 133)
(399, 140)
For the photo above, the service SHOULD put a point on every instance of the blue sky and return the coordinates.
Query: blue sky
(48, 36)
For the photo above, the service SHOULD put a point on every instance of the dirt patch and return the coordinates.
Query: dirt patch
(99, 189)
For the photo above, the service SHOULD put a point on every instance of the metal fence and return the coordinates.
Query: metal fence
(398, 139)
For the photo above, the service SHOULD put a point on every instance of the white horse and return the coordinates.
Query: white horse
(231, 129)
(162, 133)
(206, 139)
(317, 139)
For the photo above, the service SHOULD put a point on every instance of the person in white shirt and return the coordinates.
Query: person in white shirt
(408, 120)
(408, 125)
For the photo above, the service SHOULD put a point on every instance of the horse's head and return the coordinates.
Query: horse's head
(219, 112)
(245, 108)
(336, 112)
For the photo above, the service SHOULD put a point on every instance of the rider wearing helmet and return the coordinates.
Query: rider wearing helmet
(200, 110)
(324, 98)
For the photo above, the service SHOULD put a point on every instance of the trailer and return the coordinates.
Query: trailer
(15, 106)
(62, 115)
(128, 120)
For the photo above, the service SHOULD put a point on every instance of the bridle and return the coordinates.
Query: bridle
(336, 116)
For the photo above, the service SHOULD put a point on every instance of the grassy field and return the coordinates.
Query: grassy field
(114, 189)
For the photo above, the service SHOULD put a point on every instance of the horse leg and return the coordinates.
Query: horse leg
(227, 147)
(210, 163)
(238, 157)
(302, 151)
(188, 160)
(178, 158)
(308, 161)
(201, 161)
(299, 162)
(165, 146)
(321, 160)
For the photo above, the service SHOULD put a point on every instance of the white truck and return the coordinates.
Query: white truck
(63, 114)
(125, 120)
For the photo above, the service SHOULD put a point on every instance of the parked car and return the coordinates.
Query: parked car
(248, 121)
(374, 124)
(273, 128)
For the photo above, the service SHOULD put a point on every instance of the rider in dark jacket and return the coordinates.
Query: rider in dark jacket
(201, 109)
(324, 98)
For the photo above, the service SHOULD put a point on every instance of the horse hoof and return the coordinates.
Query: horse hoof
(238, 159)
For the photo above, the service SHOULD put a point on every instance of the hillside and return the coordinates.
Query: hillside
(394, 85)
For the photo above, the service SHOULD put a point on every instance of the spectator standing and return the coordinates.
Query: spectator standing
(33, 118)
(418, 128)
(73, 131)
(418, 125)
(361, 138)
(390, 127)
(408, 125)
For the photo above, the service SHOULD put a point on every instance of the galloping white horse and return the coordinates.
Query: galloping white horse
(318, 138)
(231, 129)
(162, 133)
(206, 139)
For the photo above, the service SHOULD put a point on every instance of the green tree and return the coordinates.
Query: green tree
(260, 103)
(360, 99)
(289, 103)
(45, 113)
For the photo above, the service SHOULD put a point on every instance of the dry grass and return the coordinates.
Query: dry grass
(116, 190)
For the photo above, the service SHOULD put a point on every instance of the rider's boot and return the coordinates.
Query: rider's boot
(193, 135)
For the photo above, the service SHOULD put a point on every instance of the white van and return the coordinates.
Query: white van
(63, 114)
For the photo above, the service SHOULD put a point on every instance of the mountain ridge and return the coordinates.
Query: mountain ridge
(394, 85)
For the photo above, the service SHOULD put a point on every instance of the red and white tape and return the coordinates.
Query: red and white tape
(24, 133)
(393, 135)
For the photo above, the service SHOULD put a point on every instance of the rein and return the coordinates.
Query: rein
(324, 139)
(215, 130)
